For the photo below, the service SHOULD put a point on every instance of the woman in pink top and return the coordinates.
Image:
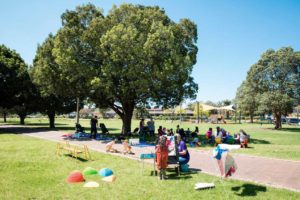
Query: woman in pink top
(209, 133)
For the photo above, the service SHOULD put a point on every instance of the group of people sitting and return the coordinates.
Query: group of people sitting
(126, 147)
(186, 135)
(144, 130)
(220, 136)
(223, 136)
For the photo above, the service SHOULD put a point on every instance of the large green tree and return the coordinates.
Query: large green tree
(276, 80)
(4, 112)
(247, 100)
(54, 97)
(75, 52)
(133, 56)
(17, 91)
(51, 105)
(13, 77)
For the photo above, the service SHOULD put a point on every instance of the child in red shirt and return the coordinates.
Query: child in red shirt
(162, 157)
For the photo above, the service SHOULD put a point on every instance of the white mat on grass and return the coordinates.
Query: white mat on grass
(199, 186)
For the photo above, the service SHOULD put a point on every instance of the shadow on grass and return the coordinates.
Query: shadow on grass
(21, 130)
(182, 176)
(87, 130)
(44, 124)
(297, 130)
(248, 189)
(289, 129)
(249, 147)
(78, 158)
(205, 142)
(194, 170)
(172, 174)
(258, 141)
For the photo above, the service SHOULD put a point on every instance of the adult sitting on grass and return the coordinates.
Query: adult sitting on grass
(79, 128)
(184, 156)
(195, 133)
(209, 134)
(243, 139)
(224, 135)
(160, 131)
(182, 134)
(218, 136)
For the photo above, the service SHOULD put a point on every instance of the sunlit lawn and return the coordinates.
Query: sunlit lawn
(30, 169)
(265, 141)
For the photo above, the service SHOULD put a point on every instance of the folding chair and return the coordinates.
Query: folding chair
(103, 128)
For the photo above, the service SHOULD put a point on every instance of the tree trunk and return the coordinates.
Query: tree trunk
(126, 118)
(22, 119)
(251, 118)
(126, 127)
(227, 114)
(51, 117)
(235, 117)
(278, 121)
(126, 113)
(4, 116)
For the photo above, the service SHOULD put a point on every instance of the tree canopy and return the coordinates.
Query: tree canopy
(17, 91)
(45, 73)
(247, 99)
(275, 81)
(13, 77)
(133, 56)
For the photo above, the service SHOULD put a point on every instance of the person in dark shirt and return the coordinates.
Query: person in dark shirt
(195, 133)
(94, 124)
(160, 131)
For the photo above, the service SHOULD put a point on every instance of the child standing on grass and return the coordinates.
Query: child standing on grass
(162, 157)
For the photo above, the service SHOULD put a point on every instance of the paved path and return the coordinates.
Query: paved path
(267, 171)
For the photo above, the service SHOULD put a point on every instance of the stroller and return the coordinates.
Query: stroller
(103, 128)
(135, 131)
(79, 133)
(79, 128)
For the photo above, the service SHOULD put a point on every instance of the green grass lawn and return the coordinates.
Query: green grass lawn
(30, 169)
(265, 141)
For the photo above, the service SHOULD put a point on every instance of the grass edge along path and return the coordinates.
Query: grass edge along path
(31, 170)
(265, 141)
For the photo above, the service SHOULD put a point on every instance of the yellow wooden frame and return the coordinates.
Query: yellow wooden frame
(73, 150)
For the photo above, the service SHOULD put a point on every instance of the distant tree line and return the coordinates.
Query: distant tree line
(21, 96)
(272, 85)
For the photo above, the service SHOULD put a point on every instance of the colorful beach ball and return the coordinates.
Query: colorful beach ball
(75, 177)
(105, 172)
(89, 171)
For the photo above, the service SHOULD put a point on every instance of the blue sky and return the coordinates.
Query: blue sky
(232, 34)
